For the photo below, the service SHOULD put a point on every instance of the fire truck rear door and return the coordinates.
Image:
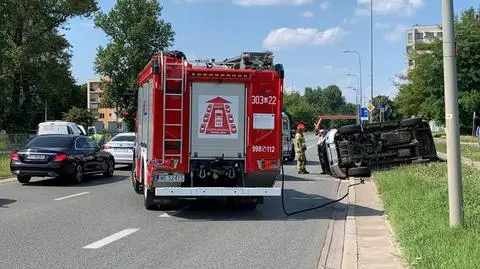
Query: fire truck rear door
(218, 120)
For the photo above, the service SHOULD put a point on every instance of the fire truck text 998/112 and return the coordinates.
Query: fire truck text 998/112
(263, 148)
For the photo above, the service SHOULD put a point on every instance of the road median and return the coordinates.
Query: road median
(415, 198)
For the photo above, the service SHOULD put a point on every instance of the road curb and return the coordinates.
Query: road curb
(332, 250)
(7, 180)
(350, 248)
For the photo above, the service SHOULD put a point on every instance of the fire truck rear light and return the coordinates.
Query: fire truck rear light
(167, 163)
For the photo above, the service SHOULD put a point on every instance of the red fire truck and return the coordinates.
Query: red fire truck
(208, 129)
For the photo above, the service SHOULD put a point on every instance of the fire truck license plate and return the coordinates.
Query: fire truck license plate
(170, 178)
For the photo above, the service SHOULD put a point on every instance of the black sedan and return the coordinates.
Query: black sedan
(71, 156)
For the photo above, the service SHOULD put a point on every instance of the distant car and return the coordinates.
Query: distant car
(70, 156)
(60, 127)
(288, 140)
(121, 147)
(354, 150)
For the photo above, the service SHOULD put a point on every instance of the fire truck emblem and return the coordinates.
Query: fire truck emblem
(219, 117)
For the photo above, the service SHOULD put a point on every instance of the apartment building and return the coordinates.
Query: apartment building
(418, 39)
(107, 119)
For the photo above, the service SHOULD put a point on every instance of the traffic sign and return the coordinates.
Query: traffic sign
(379, 105)
(370, 107)
(363, 113)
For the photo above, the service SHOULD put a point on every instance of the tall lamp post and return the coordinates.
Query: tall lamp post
(356, 103)
(359, 87)
(360, 71)
(371, 54)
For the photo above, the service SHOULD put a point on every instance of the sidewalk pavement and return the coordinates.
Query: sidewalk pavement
(369, 240)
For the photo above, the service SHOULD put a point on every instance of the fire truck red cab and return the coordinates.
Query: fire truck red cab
(208, 129)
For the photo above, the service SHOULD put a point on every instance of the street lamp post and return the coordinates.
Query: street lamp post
(371, 55)
(360, 76)
(356, 103)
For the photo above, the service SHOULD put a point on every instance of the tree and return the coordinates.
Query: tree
(423, 92)
(34, 57)
(80, 116)
(390, 109)
(136, 33)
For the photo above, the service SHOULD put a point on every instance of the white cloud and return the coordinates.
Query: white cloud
(397, 34)
(386, 7)
(307, 14)
(271, 2)
(287, 37)
(324, 6)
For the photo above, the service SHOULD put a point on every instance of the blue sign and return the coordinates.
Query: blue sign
(379, 105)
(363, 113)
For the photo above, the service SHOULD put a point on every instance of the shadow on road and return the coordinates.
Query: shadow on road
(271, 210)
(88, 181)
(4, 202)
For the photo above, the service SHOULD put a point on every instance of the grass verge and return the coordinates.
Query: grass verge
(467, 151)
(415, 198)
(5, 166)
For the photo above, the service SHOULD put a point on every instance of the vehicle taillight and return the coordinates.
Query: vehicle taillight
(167, 163)
(60, 157)
(14, 156)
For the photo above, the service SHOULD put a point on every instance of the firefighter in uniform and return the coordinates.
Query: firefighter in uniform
(300, 148)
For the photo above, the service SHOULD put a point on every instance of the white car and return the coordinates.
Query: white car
(121, 147)
(59, 127)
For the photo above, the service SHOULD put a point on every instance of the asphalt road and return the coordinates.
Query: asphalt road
(103, 224)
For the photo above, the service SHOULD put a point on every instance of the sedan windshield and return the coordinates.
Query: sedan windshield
(50, 142)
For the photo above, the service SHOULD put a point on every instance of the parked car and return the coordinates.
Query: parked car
(288, 143)
(354, 150)
(70, 156)
(60, 127)
(121, 147)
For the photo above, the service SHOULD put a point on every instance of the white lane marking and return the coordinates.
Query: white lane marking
(70, 196)
(109, 239)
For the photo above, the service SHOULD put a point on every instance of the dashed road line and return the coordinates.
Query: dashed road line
(112, 238)
(70, 196)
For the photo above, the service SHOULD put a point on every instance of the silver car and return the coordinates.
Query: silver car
(121, 147)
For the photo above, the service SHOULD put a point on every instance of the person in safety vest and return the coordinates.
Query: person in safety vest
(97, 137)
(300, 148)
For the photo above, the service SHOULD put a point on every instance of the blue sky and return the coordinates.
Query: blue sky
(307, 36)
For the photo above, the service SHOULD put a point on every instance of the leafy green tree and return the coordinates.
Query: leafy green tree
(136, 33)
(34, 57)
(80, 116)
(422, 94)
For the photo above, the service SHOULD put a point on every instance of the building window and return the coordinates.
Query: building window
(102, 116)
(410, 63)
(110, 114)
(409, 49)
(439, 34)
(429, 35)
(418, 35)
(119, 125)
(410, 37)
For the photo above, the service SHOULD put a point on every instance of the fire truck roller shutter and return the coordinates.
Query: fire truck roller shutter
(218, 120)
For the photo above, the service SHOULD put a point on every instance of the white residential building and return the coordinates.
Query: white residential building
(418, 38)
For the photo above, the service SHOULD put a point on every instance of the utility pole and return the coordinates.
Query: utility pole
(371, 55)
(455, 192)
